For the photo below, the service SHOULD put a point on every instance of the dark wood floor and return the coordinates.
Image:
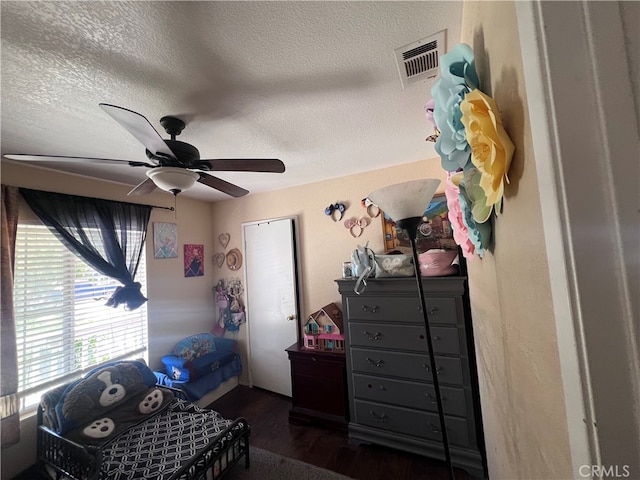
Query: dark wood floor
(267, 413)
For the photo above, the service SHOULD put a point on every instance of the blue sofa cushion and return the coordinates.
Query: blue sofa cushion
(198, 355)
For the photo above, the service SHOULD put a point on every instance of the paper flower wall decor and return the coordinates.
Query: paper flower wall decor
(458, 77)
(491, 147)
(479, 233)
(473, 146)
(460, 232)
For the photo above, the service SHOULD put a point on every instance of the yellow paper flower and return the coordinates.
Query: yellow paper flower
(491, 147)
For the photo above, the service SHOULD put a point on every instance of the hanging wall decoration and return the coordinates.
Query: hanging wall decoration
(193, 260)
(234, 259)
(335, 211)
(473, 146)
(165, 240)
(224, 238)
(231, 310)
(356, 225)
(372, 209)
(218, 259)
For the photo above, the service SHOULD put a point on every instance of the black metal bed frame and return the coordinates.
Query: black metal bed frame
(83, 463)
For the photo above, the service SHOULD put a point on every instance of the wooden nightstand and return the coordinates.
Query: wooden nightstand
(319, 386)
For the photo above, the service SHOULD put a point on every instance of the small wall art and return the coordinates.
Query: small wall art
(218, 259)
(224, 238)
(434, 232)
(193, 260)
(165, 240)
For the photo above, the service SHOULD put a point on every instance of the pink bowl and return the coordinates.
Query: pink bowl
(438, 263)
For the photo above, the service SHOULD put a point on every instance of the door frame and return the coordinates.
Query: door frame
(593, 277)
(297, 280)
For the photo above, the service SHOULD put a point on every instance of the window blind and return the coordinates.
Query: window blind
(63, 327)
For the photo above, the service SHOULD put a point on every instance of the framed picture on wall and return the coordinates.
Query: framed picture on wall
(165, 240)
(434, 232)
(193, 260)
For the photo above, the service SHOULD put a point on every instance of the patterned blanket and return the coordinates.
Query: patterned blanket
(159, 446)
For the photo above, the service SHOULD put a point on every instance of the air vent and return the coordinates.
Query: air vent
(420, 60)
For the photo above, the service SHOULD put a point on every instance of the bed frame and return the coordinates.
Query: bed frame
(78, 462)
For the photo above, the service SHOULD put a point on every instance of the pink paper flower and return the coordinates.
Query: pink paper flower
(460, 232)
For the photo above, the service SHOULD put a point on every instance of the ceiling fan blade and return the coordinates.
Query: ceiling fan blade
(223, 186)
(144, 187)
(272, 165)
(61, 158)
(138, 126)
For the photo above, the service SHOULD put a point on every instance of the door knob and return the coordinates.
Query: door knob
(291, 317)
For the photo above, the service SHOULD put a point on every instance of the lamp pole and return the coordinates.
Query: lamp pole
(410, 226)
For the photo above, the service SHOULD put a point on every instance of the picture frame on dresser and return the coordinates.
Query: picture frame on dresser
(434, 232)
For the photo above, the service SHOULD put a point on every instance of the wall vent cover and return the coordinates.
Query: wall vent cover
(420, 60)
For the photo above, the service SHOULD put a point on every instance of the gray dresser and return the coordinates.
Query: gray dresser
(391, 395)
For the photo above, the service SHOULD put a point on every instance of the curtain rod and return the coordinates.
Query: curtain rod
(171, 209)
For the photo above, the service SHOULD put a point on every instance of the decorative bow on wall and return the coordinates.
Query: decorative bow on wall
(335, 211)
(372, 209)
(356, 226)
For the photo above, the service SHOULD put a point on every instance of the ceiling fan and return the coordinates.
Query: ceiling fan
(173, 165)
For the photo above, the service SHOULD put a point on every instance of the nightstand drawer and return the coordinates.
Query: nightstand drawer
(405, 365)
(403, 337)
(401, 309)
(409, 394)
(411, 422)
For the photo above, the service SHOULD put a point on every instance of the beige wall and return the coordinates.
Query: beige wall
(519, 370)
(324, 244)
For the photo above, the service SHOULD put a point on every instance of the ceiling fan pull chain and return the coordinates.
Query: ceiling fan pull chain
(175, 207)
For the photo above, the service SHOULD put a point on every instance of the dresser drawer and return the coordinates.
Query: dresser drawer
(405, 365)
(403, 337)
(401, 309)
(404, 309)
(411, 422)
(420, 396)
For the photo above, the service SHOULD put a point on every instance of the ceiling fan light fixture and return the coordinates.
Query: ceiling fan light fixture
(173, 179)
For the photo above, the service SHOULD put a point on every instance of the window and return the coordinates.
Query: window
(63, 327)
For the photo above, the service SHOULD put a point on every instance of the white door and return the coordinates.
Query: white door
(272, 301)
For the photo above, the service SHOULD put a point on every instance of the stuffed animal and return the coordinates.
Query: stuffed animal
(102, 390)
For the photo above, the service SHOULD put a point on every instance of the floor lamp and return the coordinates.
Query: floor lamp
(405, 204)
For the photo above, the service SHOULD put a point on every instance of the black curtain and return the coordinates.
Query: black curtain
(103, 233)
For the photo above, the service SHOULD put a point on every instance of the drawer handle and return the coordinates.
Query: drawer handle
(375, 336)
(428, 369)
(378, 417)
(430, 311)
(436, 338)
(379, 363)
(313, 359)
(432, 399)
(373, 309)
(435, 429)
(433, 311)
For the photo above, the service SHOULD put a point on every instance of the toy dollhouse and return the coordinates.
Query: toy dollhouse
(323, 330)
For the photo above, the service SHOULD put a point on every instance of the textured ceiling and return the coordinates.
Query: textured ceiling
(313, 83)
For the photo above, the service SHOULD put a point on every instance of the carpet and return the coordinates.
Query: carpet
(270, 466)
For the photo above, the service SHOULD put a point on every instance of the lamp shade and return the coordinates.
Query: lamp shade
(173, 179)
(405, 200)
